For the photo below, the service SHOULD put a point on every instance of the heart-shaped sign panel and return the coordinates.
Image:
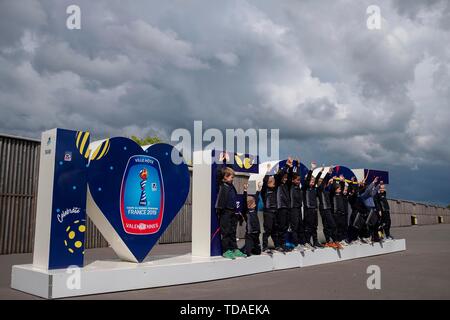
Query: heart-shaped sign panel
(134, 194)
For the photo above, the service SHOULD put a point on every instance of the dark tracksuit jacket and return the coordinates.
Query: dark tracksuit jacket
(310, 208)
(340, 212)
(357, 207)
(252, 228)
(366, 196)
(226, 211)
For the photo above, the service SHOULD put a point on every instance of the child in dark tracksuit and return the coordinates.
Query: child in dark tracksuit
(295, 212)
(382, 205)
(283, 205)
(252, 229)
(325, 209)
(310, 209)
(272, 203)
(352, 196)
(226, 211)
(340, 210)
(366, 194)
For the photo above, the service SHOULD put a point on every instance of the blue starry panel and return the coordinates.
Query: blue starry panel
(68, 219)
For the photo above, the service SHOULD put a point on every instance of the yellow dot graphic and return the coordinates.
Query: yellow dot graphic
(71, 235)
(78, 244)
(70, 250)
(82, 228)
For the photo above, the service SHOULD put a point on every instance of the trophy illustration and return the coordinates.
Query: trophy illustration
(143, 175)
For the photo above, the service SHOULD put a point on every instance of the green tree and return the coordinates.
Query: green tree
(448, 207)
(147, 140)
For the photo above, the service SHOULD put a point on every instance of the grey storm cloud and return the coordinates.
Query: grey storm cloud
(336, 90)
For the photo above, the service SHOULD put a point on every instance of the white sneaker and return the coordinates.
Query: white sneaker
(300, 248)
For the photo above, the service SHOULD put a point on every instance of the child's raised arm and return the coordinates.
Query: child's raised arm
(279, 175)
(264, 187)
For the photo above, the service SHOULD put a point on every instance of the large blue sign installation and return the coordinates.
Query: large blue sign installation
(131, 195)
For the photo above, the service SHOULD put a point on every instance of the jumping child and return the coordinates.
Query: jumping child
(295, 210)
(310, 208)
(340, 209)
(325, 187)
(382, 205)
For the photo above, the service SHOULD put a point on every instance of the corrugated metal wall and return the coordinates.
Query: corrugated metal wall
(19, 163)
(18, 188)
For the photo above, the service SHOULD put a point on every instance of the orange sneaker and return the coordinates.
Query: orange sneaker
(330, 245)
(338, 245)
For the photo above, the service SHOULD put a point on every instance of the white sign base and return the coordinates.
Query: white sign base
(160, 271)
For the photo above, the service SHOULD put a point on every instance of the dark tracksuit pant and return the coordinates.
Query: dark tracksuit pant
(301, 228)
(295, 223)
(364, 232)
(374, 224)
(386, 222)
(329, 225)
(341, 225)
(252, 244)
(282, 225)
(270, 228)
(358, 207)
(352, 231)
(311, 222)
(228, 223)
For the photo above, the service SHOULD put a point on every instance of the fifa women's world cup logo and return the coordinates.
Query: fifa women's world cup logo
(143, 174)
(142, 212)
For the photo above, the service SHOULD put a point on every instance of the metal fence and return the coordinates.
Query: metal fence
(19, 164)
(18, 189)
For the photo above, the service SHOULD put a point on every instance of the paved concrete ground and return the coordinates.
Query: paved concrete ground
(422, 272)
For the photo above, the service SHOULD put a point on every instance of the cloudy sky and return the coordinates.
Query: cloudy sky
(339, 92)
